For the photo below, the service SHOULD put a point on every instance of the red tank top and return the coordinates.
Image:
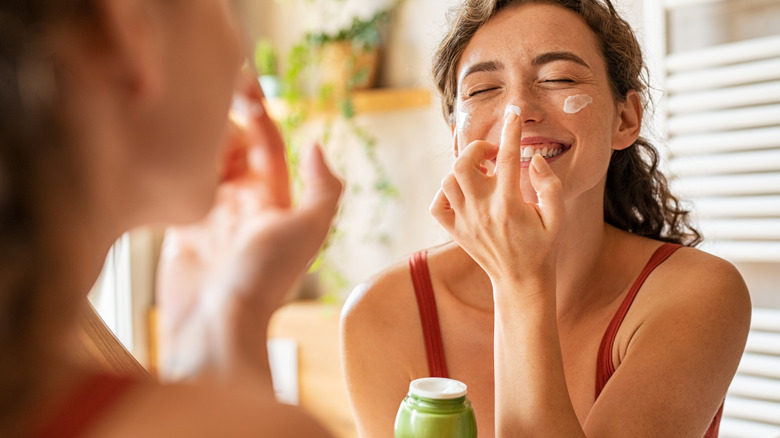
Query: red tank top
(85, 406)
(437, 365)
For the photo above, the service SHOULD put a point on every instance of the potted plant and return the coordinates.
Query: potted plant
(319, 73)
(349, 57)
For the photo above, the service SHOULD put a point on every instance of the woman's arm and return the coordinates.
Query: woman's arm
(675, 368)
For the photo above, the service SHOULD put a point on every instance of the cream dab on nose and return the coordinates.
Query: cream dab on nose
(576, 103)
(514, 109)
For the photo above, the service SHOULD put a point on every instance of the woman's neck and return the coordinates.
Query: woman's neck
(589, 259)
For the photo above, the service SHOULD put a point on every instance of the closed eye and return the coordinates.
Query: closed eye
(474, 93)
(559, 80)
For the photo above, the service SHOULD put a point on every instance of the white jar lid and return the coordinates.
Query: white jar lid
(437, 388)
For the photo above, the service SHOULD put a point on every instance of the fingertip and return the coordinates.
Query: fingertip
(316, 160)
(318, 172)
(511, 113)
(539, 164)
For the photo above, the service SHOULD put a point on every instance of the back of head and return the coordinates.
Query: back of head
(637, 197)
(31, 146)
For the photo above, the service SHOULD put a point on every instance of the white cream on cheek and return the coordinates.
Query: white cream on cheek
(464, 118)
(576, 103)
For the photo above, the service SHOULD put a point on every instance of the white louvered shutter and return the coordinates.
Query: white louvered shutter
(720, 116)
(721, 120)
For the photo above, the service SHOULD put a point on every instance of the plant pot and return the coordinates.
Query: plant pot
(346, 68)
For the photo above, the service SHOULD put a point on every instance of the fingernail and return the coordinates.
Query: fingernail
(537, 161)
(511, 113)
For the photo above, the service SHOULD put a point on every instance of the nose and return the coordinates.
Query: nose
(531, 109)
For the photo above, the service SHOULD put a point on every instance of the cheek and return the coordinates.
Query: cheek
(478, 123)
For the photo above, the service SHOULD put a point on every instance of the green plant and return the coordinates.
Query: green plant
(299, 90)
(364, 34)
(265, 58)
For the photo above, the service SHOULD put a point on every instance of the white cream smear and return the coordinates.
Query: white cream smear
(576, 103)
(464, 117)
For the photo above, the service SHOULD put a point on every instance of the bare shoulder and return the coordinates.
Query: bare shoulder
(703, 275)
(380, 302)
(387, 299)
(204, 411)
(702, 288)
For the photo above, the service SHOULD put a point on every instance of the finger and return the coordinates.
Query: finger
(233, 164)
(442, 211)
(510, 151)
(469, 168)
(322, 188)
(451, 189)
(548, 192)
(266, 155)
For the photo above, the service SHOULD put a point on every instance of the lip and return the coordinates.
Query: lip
(527, 141)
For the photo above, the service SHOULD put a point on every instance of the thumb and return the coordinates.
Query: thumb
(549, 192)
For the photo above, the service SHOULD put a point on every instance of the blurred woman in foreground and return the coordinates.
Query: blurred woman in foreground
(113, 117)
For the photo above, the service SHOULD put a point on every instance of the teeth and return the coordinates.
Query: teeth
(529, 152)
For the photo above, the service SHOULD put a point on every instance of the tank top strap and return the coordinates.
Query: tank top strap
(429, 316)
(604, 366)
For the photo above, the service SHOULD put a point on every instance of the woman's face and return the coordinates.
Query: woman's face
(545, 60)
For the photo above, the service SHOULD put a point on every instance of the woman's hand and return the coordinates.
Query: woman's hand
(487, 216)
(220, 280)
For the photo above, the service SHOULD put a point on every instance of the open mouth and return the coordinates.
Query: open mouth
(547, 150)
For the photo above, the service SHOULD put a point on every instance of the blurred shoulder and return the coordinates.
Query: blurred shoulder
(205, 411)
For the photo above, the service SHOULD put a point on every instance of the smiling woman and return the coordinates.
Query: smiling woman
(571, 287)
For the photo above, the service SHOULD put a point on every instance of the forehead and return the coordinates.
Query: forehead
(528, 30)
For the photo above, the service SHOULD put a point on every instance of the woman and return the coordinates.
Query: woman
(565, 301)
(113, 116)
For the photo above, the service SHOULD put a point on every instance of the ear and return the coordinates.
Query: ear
(628, 122)
(454, 140)
(132, 38)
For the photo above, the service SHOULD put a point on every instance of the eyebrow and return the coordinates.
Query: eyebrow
(546, 58)
(482, 66)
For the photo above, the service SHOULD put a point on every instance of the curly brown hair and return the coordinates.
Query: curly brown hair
(637, 197)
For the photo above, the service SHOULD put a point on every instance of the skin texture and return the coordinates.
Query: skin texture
(527, 288)
(147, 94)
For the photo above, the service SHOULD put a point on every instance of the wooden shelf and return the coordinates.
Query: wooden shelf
(376, 100)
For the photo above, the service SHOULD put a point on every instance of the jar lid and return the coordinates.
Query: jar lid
(437, 388)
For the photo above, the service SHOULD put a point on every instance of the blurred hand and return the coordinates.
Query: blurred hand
(220, 280)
